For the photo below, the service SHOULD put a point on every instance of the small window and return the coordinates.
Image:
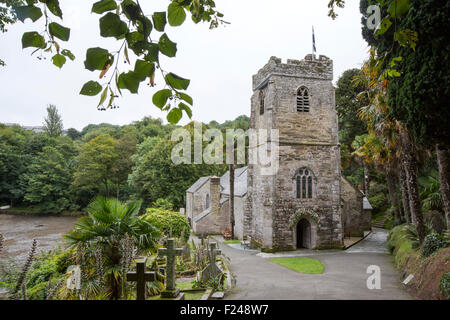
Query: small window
(304, 184)
(207, 201)
(303, 100)
(262, 96)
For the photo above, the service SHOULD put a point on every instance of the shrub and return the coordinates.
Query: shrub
(168, 221)
(401, 243)
(432, 243)
(163, 204)
(379, 202)
(444, 286)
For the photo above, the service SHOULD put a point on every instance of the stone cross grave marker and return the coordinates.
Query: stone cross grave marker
(141, 277)
(171, 252)
(211, 271)
(202, 238)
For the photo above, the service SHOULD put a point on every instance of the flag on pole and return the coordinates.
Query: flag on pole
(313, 43)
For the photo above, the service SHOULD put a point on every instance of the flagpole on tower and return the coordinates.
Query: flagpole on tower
(313, 44)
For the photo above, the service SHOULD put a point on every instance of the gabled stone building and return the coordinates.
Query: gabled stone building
(306, 203)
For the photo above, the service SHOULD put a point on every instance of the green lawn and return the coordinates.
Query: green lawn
(232, 241)
(299, 264)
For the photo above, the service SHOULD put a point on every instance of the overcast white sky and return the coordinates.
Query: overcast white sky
(219, 62)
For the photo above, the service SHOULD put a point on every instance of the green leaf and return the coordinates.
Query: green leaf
(68, 54)
(159, 21)
(144, 26)
(177, 82)
(96, 59)
(103, 6)
(91, 88)
(133, 37)
(33, 39)
(24, 12)
(53, 6)
(160, 98)
(383, 26)
(153, 53)
(398, 8)
(112, 26)
(166, 46)
(59, 60)
(176, 14)
(103, 96)
(142, 69)
(186, 98)
(59, 31)
(174, 115)
(130, 81)
(186, 109)
(131, 9)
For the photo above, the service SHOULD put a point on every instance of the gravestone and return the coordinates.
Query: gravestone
(141, 277)
(202, 238)
(170, 252)
(186, 253)
(74, 280)
(211, 271)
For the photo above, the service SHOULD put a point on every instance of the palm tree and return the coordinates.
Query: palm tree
(398, 148)
(108, 223)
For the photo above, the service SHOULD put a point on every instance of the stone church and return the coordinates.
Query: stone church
(307, 203)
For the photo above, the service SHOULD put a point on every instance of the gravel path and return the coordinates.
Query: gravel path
(345, 274)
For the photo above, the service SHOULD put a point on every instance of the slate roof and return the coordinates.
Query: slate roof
(202, 215)
(197, 184)
(240, 182)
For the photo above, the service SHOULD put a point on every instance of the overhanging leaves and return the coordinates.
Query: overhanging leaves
(96, 59)
(59, 31)
(174, 115)
(186, 109)
(398, 8)
(53, 6)
(176, 14)
(103, 6)
(159, 21)
(24, 12)
(166, 46)
(91, 88)
(177, 82)
(33, 39)
(130, 81)
(112, 26)
(59, 60)
(160, 98)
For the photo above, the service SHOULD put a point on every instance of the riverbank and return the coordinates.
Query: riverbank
(20, 230)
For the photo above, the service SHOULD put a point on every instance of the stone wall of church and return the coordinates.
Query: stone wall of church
(323, 163)
(355, 219)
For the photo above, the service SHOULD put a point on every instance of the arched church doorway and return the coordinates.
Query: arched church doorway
(303, 234)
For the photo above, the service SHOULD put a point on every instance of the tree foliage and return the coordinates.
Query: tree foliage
(141, 36)
(53, 124)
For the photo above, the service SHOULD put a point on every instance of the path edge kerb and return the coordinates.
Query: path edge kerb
(369, 233)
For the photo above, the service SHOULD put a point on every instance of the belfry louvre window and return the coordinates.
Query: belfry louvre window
(262, 96)
(304, 184)
(303, 100)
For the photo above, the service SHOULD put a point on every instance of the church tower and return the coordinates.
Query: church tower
(299, 205)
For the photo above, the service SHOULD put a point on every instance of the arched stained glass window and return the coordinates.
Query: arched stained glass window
(304, 184)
